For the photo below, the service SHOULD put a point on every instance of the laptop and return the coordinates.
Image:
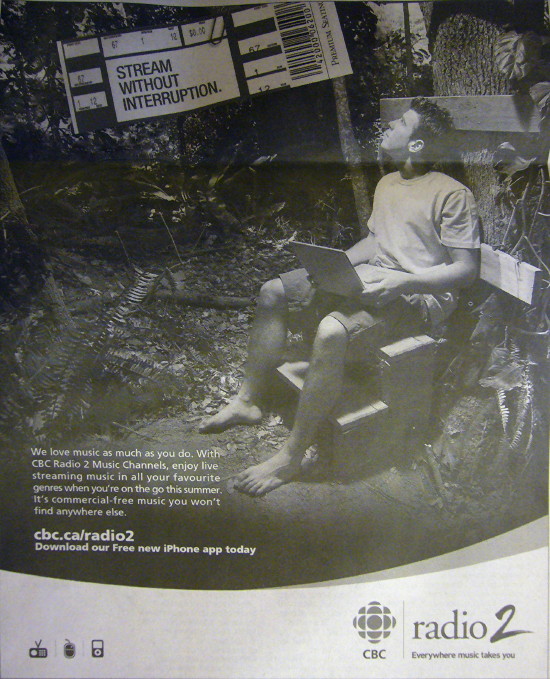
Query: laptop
(330, 269)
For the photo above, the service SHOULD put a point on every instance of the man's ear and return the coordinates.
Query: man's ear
(416, 145)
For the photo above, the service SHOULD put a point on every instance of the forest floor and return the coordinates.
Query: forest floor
(335, 520)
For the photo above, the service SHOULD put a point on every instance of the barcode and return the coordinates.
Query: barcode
(300, 43)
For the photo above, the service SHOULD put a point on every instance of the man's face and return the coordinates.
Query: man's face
(395, 140)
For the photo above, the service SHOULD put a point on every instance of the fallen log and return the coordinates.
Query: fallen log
(221, 302)
(203, 300)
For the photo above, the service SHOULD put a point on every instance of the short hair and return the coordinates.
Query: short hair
(436, 123)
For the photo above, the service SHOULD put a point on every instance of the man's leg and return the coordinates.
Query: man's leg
(321, 389)
(265, 350)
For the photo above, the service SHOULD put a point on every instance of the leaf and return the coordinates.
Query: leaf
(507, 379)
(263, 159)
(163, 195)
(500, 357)
(516, 54)
(276, 208)
(540, 94)
(83, 278)
(422, 54)
(503, 371)
(507, 160)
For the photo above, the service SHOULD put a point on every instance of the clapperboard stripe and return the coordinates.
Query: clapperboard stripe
(255, 28)
(87, 89)
(298, 44)
(262, 54)
(84, 62)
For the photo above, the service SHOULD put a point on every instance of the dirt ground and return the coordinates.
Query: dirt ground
(373, 509)
(333, 521)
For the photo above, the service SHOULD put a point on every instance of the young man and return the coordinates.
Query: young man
(424, 239)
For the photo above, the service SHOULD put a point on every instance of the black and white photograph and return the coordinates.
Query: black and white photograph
(274, 321)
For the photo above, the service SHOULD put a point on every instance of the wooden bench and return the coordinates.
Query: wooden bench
(392, 406)
(403, 367)
(387, 409)
(378, 407)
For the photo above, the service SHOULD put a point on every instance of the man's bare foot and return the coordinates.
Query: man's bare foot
(235, 412)
(266, 476)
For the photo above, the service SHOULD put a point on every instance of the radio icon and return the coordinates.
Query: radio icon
(37, 651)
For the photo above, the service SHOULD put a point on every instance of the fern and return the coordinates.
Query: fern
(514, 349)
(130, 300)
(525, 408)
(122, 361)
(58, 386)
(61, 378)
(503, 408)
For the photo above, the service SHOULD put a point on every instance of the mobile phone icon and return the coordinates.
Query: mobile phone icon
(98, 649)
(37, 651)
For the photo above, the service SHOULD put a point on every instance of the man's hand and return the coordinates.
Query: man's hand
(382, 285)
(385, 285)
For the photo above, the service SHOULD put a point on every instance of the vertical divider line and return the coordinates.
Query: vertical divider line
(403, 631)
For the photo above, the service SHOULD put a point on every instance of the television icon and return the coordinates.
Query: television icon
(98, 648)
(37, 651)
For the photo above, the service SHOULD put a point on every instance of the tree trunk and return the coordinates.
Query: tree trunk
(10, 203)
(462, 39)
(408, 48)
(463, 64)
(463, 60)
(352, 154)
(12, 212)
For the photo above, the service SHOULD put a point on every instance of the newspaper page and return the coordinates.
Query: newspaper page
(214, 464)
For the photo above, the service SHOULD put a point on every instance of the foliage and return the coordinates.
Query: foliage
(524, 191)
(54, 377)
(22, 267)
(524, 59)
(128, 210)
(517, 55)
(358, 23)
(395, 81)
(511, 337)
(509, 374)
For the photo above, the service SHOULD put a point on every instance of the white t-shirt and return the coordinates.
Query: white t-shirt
(415, 220)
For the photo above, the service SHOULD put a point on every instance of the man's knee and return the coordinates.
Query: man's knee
(331, 334)
(272, 295)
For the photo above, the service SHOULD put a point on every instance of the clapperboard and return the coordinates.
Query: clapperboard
(168, 70)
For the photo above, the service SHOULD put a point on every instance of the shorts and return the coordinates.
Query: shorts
(367, 328)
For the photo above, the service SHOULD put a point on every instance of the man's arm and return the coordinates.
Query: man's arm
(362, 251)
(386, 285)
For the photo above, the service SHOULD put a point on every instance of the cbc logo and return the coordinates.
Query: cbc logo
(374, 654)
(374, 622)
